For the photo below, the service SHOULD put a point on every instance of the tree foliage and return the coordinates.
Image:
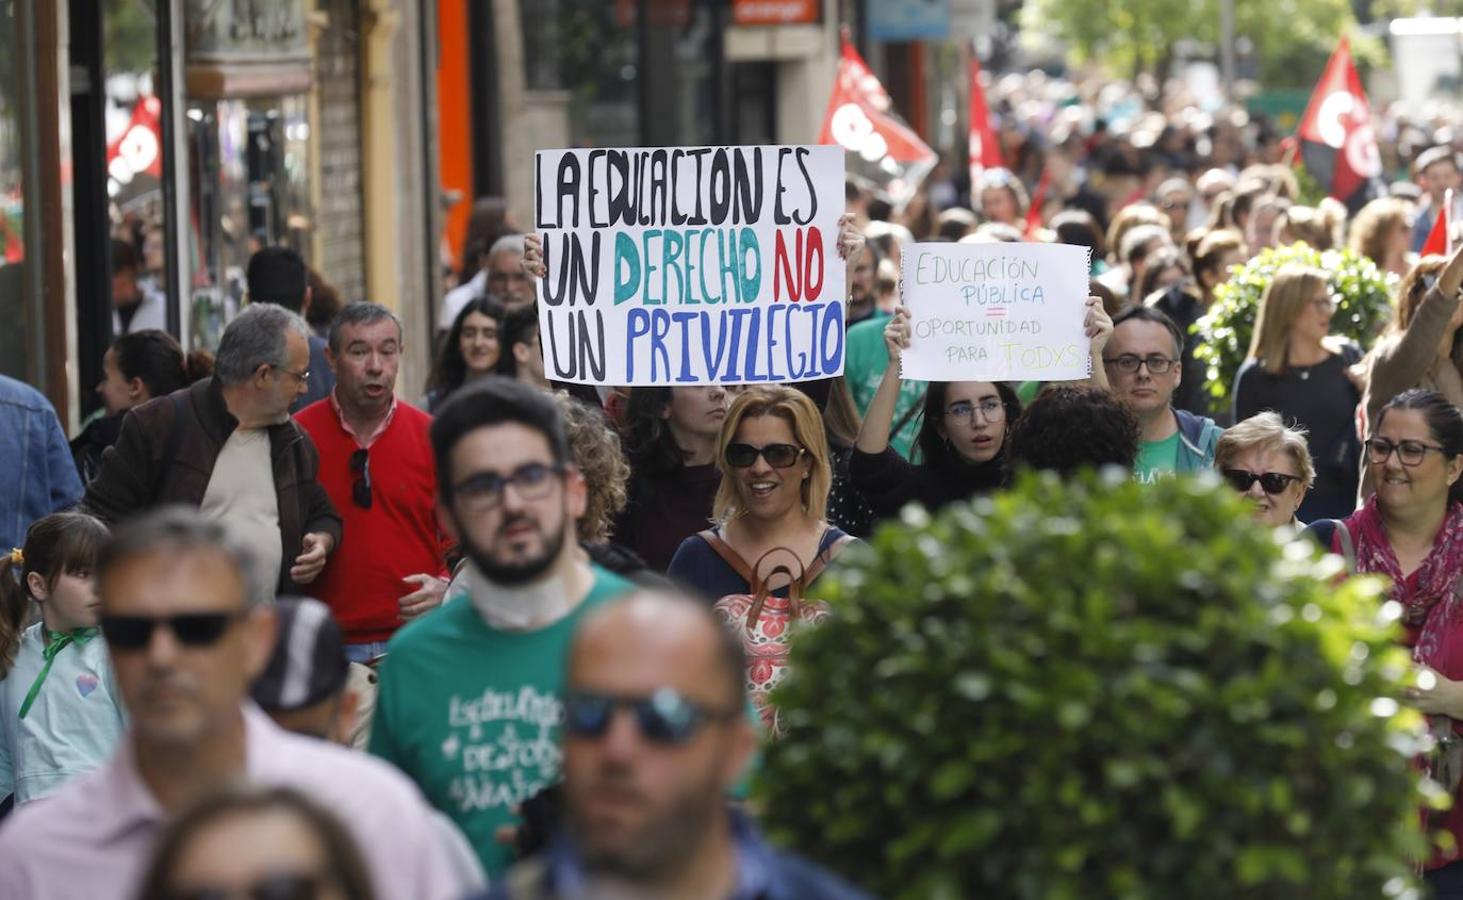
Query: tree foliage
(1364, 305)
(1291, 38)
(1099, 689)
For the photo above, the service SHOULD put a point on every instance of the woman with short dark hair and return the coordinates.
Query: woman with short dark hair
(136, 368)
(670, 437)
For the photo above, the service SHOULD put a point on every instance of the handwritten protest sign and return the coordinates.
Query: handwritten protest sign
(996, 312)
(690, 265)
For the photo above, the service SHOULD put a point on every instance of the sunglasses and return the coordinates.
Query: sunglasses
(1270, 482)
(664, 717)
(778, 456)
(361, 487)
(283, 886)
(191, 629)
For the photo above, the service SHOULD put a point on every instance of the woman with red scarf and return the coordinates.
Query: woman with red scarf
(1411, 530)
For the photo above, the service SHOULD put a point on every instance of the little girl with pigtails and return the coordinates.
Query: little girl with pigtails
(60, 712)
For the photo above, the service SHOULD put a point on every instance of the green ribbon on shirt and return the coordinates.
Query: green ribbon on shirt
(54, 645)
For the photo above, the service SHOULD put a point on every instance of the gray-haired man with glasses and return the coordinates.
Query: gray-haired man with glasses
(1142, 363)
(469, 702)
(218, 444)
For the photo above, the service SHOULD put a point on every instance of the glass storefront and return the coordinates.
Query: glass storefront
(249, 183)
(14, 348)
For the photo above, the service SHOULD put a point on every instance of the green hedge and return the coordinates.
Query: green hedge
(1097, 690)
(1364, 292)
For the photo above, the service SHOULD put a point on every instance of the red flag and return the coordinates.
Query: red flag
(985, 151)
(140, 148)
(881, 146)
(1038, 200)
(1337, 143)
(1439, 241)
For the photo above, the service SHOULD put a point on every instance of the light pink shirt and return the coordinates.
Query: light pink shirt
(368, 439)
(94, 837)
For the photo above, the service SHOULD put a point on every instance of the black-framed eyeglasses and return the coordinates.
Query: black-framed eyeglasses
(778, 456)
(361, 487)
(1270, 482)
(1410, 453)
(193, 629)
(663, 717)
(1129, 363)
(278, 886)
(993, 410)
(531, 481)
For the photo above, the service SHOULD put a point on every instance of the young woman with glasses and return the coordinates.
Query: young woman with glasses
(1421, 348)
(775, 475)
(960, 449)
(1411, 530)
(1297, 369)
(1268, 463)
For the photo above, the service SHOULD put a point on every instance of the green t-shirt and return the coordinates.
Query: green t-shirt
(472, 713)
(1157, 459)
(864, 361)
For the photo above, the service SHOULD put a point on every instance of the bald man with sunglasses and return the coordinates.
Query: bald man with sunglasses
(187, 638)
(655, 737)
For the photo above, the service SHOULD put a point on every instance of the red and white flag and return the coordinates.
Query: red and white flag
(881, 147)
(1440, 239)
(1337, 143)
(985, 151)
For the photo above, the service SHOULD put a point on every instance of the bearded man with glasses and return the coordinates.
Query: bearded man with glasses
(1142, 362)
(186, 639)
(469, 701)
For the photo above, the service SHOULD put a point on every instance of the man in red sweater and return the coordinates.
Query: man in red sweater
(377, 466)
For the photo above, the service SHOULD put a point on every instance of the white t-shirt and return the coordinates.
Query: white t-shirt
(241, 495)
(460, 296)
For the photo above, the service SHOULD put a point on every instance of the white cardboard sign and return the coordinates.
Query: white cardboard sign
(996, 312)
(690, 265)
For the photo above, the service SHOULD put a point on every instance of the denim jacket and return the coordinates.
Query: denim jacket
(39, 472)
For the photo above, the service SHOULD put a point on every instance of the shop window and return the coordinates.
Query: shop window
(14, 352)
(628, 86)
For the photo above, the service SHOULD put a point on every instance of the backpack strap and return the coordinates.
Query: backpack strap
(821, 561)
(728, 555)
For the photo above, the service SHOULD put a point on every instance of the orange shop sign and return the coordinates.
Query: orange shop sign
(776, 12)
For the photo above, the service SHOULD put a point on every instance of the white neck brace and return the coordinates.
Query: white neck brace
(524, 607)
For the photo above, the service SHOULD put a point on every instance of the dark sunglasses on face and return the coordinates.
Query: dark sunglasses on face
(361, 487)
(778, 456)
(192, 629)
(1270, 482)
(284, 886)
(664, 717)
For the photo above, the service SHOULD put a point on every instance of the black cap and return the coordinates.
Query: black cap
(308, 664)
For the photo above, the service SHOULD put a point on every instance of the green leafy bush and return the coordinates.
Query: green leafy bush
(1364, 293)
(1098, 690)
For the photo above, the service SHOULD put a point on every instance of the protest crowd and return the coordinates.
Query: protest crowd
(489, 641)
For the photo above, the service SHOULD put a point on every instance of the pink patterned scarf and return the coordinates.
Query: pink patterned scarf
(1431, 612)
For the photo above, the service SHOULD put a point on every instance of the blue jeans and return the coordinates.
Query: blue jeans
(364, 653)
